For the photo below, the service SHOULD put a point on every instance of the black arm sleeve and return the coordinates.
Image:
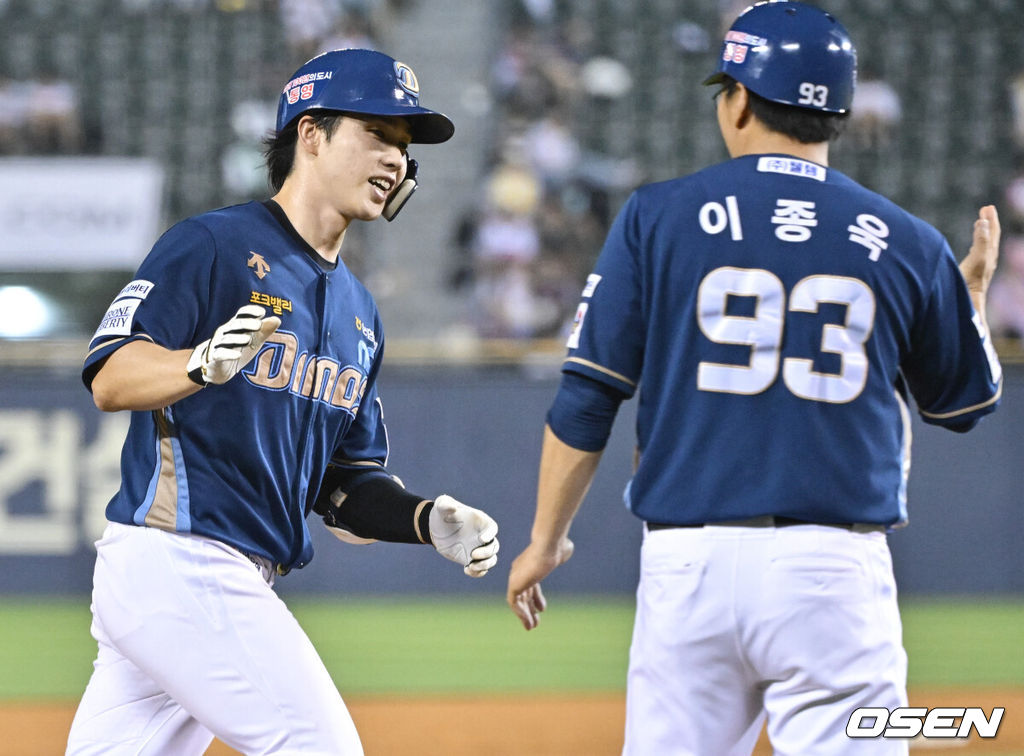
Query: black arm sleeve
(376, 507)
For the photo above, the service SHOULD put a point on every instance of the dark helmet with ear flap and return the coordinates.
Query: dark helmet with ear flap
(365, 82)
(792, 53)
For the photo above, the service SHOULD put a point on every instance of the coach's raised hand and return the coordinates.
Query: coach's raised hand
(979, 265)
(232, 346)
(464, 535)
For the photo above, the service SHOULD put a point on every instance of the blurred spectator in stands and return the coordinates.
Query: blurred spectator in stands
(461, 269)
(354, 29)
(520, 82)
(306, 22)
(727, 12)
(315, 26)
(13, 101)
(52, 120)
(40, 116)
(533, 242)
(1017, 108)
(571, 233)
(504, 248)
(1006, 294)
(691, 38)
(552, 150)
(1014, 194)
(875, 112)
(243, 168)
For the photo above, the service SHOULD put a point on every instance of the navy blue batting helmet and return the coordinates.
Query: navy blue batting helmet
(792, 53)
(366, 82)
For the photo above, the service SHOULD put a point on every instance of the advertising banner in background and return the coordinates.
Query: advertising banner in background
(464, 433)
(78, 213)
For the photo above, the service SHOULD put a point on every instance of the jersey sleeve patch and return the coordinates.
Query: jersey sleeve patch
(137, 289)
(577, 326)
(118, 319)
(592, 281)
(121, 313)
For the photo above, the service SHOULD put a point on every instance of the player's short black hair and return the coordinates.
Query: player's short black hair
(804, 125)
(279, 147)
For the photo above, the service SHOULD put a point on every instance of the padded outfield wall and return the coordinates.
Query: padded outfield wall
(475, 433)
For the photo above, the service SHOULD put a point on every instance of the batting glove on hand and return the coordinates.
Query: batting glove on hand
(464, 535)
(232, 347)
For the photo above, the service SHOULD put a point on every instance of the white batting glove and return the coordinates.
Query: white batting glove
(232, 347)
(464, 535)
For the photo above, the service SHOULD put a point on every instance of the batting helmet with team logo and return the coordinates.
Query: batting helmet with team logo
(792, 53)
(366, 82)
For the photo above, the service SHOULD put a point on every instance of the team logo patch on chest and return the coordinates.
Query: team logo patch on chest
(259, 266)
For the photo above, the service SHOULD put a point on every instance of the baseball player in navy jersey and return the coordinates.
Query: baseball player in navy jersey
(775, 319)
(249, 355)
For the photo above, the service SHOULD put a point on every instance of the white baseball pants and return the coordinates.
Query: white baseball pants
(194, 642)
(732, 623)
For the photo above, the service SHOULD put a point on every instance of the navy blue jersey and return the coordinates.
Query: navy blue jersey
(242, 462)
(775, 315)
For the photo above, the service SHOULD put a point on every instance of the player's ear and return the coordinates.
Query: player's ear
(308, 135)
(738, 106)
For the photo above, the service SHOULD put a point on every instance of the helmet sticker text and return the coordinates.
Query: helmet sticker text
(301, 87)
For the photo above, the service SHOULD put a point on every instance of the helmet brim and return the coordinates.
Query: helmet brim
(426, 126)
(717, 77)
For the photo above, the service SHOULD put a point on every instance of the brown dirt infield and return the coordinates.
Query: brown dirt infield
(583, 725)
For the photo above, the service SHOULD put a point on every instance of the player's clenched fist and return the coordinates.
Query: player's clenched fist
(232, 346)
(464, 535)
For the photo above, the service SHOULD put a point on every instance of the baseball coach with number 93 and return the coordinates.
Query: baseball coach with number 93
(775, 319)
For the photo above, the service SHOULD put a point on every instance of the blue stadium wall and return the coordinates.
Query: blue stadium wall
(475, 433)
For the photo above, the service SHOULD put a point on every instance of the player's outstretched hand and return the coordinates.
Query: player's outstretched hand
(464, 535)
(980, 264)
(525, 596)
(232, 346)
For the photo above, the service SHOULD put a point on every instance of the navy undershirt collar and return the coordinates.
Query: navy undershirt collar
(278, 212)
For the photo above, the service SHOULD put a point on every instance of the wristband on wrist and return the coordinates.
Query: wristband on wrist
(196, 376)
(379, 509)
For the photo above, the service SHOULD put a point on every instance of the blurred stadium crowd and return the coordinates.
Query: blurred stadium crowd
(586, 99)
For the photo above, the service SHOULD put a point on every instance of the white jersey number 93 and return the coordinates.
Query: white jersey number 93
(762, 333)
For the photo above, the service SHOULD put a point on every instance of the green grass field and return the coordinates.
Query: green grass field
(411, 646)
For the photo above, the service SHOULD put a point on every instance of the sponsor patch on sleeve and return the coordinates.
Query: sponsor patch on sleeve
(137, 289)
(119, 317)
(592, 281)
(577, 326)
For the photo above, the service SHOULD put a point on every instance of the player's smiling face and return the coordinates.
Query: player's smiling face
(362, 163)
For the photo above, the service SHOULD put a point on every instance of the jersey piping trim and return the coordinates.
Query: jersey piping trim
(966, 410)
(905, 449)
(167, 501)
(112, 342)
(358, 462)
(598, 368)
